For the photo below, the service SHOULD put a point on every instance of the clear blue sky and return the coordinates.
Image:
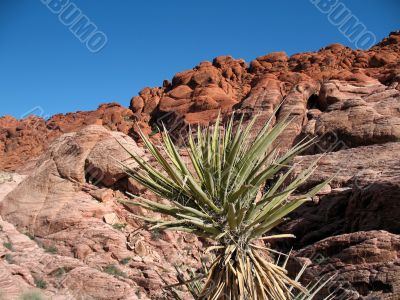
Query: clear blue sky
(43, 64)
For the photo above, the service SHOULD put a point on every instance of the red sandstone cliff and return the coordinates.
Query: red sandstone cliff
(350, 99)
(309, 82)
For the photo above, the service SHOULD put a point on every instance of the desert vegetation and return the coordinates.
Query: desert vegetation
(233, 190)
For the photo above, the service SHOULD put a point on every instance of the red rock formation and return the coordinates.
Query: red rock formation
(349, 99)
(65, 205)
(364, 195)
(367, 80)
(22, 140)
(366, 265)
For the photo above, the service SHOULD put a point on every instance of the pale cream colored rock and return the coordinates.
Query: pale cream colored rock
(111, 218)
(9, 181)
(57, 206)
(102, 161)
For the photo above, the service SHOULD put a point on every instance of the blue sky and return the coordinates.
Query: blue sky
(42, 64)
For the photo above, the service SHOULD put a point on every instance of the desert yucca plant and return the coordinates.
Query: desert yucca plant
(217, 195)
(195, 286)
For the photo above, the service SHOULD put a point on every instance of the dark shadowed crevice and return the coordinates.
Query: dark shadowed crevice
(314, 103)
(377, 286)
(93, 175)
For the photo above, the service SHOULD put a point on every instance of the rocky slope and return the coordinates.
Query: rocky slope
(67, 201)
(65, 231)
(337, 90)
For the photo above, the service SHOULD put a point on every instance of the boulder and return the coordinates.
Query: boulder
(364, 194)
(365, 265)
(70, 207)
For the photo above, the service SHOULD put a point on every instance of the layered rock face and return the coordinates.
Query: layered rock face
(363, 265)
(24, 140)
(355, 91)
(64, 229)
(68, 200)
(335, 80)
(336, 233)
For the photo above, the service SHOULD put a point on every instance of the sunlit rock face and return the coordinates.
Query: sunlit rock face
(62, 221)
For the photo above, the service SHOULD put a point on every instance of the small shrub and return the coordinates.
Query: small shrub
(138, 294)
(119, 226)
(51, 249)
(125, 260)
(31, 296)
(30, 235)
(9, 258)
(59, 272)
(128, 118)
(154, 131)
(319, 259)
(156, 234)
(114, 270)
(40, 283)
(8, 245)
